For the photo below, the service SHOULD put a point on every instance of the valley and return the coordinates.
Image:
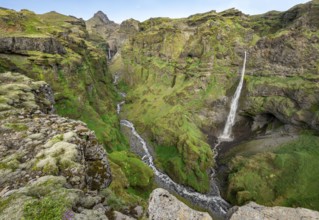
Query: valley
(219, 108)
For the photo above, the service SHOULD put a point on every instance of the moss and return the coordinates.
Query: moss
(286, 177)
(12, 165)
(16, 126)
(121, 194)
(137, 173)
(52, 207)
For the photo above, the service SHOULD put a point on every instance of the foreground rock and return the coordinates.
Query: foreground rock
(50, 167)
(163, 205)
(254, 211)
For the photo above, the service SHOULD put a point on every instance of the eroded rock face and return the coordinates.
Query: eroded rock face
(43, 154)
(43, 144)
(20, 45)
(254, 211)
(163, 205)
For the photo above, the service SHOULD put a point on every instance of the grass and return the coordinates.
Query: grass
(16, 126)
(120, 193)
(51, 207)
(286, 177)
(137, 172)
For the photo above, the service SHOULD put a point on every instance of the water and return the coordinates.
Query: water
(213, 203)
(116, 79)
(118, 107)
(227, 133)
(109, 54)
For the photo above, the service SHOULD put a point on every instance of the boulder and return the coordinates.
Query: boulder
(253, 211)
(163, 205)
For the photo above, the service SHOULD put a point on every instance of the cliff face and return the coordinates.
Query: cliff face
(101, 29)
(19, 45)
(183, 72)
(99, 26)
(46, 161)
(56, 48)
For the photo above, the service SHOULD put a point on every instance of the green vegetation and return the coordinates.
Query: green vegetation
(50, 207)
(126, 188)
(169, 86)
(80, 79)
(17, 126)
(137, 172)
(286, 177)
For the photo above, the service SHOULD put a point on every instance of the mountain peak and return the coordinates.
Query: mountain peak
(102, 16)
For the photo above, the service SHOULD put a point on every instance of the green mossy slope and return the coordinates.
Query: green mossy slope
(286, 177)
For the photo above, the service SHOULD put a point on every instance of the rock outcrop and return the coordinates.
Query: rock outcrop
(99, 26)
(45, 157)
(253, 211)
(20, 45)
(163, 205)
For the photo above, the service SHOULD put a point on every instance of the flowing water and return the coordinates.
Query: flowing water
(212, 201)
(227, 133)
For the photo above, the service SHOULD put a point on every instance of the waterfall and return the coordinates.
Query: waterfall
(226, 136)
(213, 202)
(109, 54)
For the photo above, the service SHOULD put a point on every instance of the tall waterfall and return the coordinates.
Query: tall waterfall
(226, 136)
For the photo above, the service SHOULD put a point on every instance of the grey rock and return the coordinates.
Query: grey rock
(88, 214)
(138, 211)
(163, 205)
(120, 216)
(90, 201)
(253, 211)
(20, 45)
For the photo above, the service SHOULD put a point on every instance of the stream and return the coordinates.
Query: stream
(212, 201)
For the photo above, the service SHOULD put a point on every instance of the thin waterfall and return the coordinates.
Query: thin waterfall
(226, 136)
(109, 54)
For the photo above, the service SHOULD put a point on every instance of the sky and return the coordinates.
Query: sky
(120, 10)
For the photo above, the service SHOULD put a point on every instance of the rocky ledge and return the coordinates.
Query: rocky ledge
(49, 165)
(254, 211)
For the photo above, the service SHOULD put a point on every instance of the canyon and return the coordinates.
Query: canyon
(96, 116)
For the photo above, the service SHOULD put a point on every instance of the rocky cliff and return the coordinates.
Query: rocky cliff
(56, 48)
(49, 165)
(101, 29)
